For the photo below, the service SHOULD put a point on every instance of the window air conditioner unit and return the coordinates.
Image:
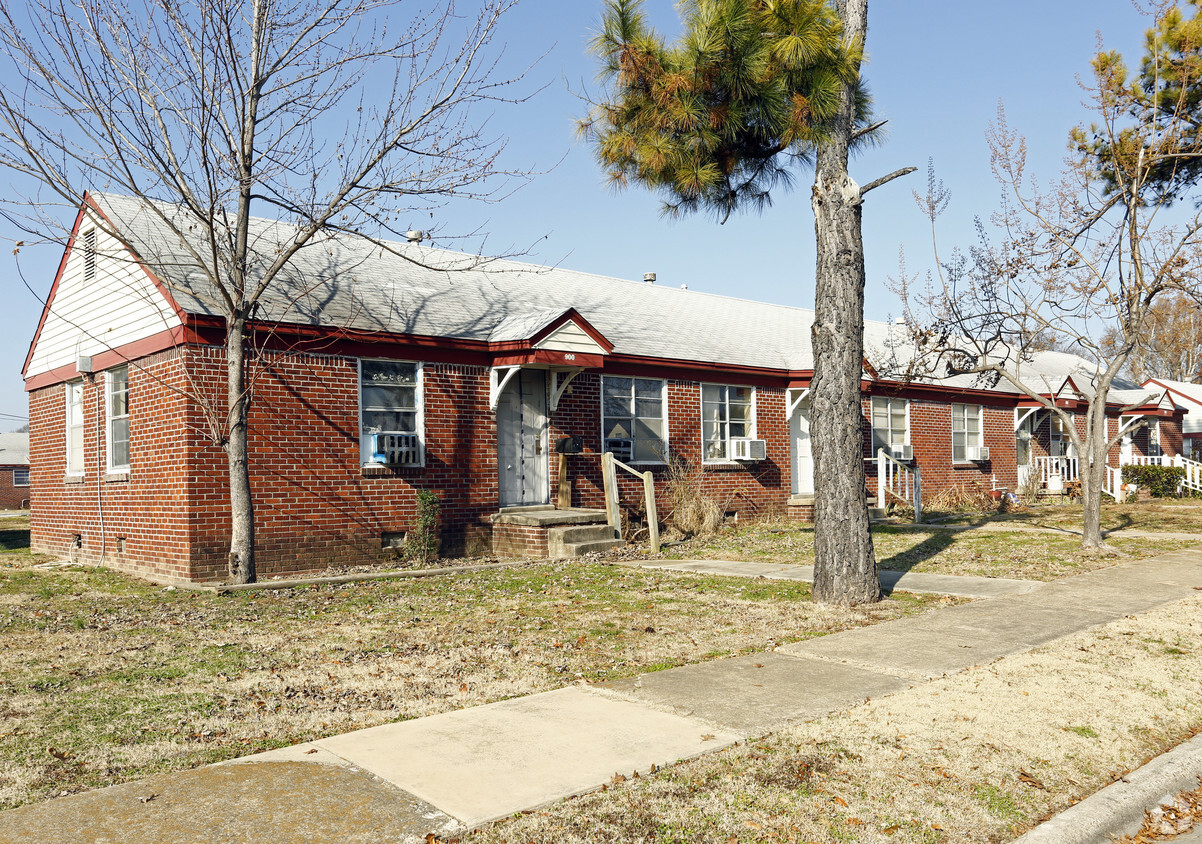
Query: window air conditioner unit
(396, 449)
(978, 454)
(901, 452)
(745, 449)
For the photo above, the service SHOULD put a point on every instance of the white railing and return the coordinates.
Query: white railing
(1193, 473)
(900, 480)
(1068, 468)
(1112, 483)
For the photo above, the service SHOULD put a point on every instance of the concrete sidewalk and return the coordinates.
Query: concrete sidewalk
(454, 771)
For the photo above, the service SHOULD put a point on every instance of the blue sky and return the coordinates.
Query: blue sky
(937, 70)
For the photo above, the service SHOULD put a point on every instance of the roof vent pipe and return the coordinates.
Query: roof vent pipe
(414, 236)
(649, 278)
(684, 287)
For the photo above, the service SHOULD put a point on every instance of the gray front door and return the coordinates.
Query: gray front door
(522, 440)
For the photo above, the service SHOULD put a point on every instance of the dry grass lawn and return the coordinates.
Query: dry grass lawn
(105, 679)
(1019, 554)
(976, 757)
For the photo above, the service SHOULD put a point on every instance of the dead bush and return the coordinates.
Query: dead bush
(693, 512)
(965, 498)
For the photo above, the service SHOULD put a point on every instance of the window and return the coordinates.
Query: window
(20, 477)
(1154, 438)
(632, 419)
(89, 254)
(966, 431)
(726, 412)
(74, 432)
(116, 418)
(890, 423)
(390, 413)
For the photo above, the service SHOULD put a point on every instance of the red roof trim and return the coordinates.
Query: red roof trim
(159, 342)
(90, 203)
(62, 265)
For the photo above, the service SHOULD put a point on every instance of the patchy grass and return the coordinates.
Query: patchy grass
(104, 678)
(980, 756)
(1161, 515)
(1025, 555)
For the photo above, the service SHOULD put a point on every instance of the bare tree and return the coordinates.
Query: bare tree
(1095, 250)
(1170, 345)
(328, 115)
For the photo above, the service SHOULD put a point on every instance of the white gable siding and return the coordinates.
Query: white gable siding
(570, 337)
(1192, 423)
(119, 305)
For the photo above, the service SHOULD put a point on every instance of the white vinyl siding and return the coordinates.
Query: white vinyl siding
(726, 412)
(966, 430)
(116, 418)
(74, 428)
(633, 419)
(119, 305)
(890, 423)
(390, 402)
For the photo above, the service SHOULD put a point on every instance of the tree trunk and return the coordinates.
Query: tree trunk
(242, 513)
(1093, 475)
(845, 569)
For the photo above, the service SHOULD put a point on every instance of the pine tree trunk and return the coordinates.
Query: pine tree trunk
(242, 514)
(845, 570)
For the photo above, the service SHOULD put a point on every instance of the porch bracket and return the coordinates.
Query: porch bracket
(796, 401)
(497, 382)
(557, 388)
(1019, 420)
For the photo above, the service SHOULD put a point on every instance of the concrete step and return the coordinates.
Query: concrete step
(568, 541)
(544, 516)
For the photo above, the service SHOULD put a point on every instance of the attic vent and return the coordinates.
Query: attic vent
(89, 254)
(649, 278)
(415, 236)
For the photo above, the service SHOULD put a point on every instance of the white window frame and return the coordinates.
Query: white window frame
(751, 434)
(73, 398)
(419, 398)
(663, 419)
(1155, 447)
(888, 402)
(111, 419)
(24, 472)
(963, 409)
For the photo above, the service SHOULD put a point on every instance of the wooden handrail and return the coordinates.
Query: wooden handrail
(613, 513)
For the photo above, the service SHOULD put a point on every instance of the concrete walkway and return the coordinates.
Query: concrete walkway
(454, 771)
(926, 584)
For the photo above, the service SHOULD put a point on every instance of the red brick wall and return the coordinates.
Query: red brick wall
(12, 497)
(745, 488)
(143, 512)
(931, 442)
(314, 504)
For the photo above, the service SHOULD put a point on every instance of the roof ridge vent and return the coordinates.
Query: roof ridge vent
(649, 278)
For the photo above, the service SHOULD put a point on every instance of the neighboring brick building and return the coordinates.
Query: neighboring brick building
(14, 471)
(376, 377)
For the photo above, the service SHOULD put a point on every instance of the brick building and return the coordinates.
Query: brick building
(14, 471)
(381, 372)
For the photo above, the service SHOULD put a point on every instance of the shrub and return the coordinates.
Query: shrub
(1159, 481)
(422, 542)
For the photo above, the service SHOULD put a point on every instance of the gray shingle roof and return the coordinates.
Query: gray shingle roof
(14, 449)
(404, 288)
